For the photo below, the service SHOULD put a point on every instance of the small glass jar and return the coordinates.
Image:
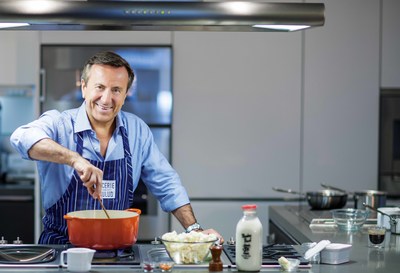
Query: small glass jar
(166, 266)
(148, 266)
(315, 259)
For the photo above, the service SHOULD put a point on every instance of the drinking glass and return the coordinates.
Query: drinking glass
(376, 236)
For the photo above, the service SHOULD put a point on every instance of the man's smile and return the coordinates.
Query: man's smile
(103, 107)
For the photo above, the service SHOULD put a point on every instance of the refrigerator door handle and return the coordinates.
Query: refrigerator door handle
(42, 97)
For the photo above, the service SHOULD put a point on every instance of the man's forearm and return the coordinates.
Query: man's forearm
(49, 150)
(185, 215)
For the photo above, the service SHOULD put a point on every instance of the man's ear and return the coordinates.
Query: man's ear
(83, 88)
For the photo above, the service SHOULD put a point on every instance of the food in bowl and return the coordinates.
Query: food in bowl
(288, 264)
(350, 219)
(188, 248)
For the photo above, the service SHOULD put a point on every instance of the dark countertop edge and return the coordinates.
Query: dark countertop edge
(290, 225)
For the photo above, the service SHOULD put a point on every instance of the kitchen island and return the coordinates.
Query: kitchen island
(294, 222)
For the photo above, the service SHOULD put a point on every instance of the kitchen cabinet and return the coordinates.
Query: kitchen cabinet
(19, 53)
(236, 118)
(390, 44)
(17, 210)
(341, 98)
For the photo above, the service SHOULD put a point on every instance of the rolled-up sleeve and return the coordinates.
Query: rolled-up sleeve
(25, 136)
(160, 178)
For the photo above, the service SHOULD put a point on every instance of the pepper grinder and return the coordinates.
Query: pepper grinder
(216, 263)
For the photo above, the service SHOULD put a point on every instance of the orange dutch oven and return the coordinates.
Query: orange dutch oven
(92, 228)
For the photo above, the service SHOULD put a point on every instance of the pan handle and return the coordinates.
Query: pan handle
(287, 191)
(333, 188)
(377, 210)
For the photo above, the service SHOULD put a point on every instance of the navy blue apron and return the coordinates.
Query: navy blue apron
(77, 197)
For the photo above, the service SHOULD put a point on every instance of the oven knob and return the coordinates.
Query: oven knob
(156, 241)
(17, 242)
(231, 242)
(2, 241)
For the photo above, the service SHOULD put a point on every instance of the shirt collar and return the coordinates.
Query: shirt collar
(82, 121)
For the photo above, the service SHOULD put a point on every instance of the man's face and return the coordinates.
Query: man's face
(104, 93)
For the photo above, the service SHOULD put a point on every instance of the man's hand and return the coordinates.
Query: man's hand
(213, 231)
(91, 176)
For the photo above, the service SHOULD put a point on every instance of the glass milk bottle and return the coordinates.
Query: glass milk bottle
(249, 234)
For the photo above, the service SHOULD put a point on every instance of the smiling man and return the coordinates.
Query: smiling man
(98, 151)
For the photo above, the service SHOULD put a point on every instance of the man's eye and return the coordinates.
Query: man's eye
(117, 90)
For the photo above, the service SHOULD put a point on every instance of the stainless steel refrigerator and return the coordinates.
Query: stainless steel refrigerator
(150, 98)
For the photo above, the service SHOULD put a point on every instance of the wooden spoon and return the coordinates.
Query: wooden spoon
(102, 206)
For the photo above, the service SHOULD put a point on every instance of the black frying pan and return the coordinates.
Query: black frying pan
(321, 200)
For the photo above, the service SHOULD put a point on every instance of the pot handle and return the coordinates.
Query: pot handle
(138, 211)
(68, 217)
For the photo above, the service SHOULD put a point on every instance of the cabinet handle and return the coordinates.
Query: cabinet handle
(15, 198)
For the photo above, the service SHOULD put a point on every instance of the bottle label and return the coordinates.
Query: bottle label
(246, 246)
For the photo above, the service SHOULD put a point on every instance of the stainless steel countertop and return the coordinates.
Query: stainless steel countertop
(362, 259)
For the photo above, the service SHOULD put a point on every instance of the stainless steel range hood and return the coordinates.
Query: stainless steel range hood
(161, 15)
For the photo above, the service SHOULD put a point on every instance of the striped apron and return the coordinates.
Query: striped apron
(76, 197)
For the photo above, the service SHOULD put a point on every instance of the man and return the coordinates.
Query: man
(79, 149)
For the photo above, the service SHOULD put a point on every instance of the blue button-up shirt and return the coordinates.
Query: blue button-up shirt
(148, 162)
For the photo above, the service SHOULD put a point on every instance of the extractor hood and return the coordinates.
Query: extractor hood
(160, 15)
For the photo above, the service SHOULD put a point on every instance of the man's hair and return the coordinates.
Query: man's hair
(108, 58)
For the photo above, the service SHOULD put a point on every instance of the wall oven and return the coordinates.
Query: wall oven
(389, 142)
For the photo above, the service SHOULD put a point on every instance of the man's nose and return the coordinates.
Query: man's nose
(106, 96)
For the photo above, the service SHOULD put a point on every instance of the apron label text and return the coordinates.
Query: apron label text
(108, 191)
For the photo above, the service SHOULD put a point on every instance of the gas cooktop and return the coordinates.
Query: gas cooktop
(271, 254)
(48, 256)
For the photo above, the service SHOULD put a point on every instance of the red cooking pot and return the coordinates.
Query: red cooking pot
(92, 229)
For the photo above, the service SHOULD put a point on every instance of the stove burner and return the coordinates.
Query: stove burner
(127, 256)
(271, 254)
(277, 251)
(105, 254)
(27, 254)
(49, 257)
